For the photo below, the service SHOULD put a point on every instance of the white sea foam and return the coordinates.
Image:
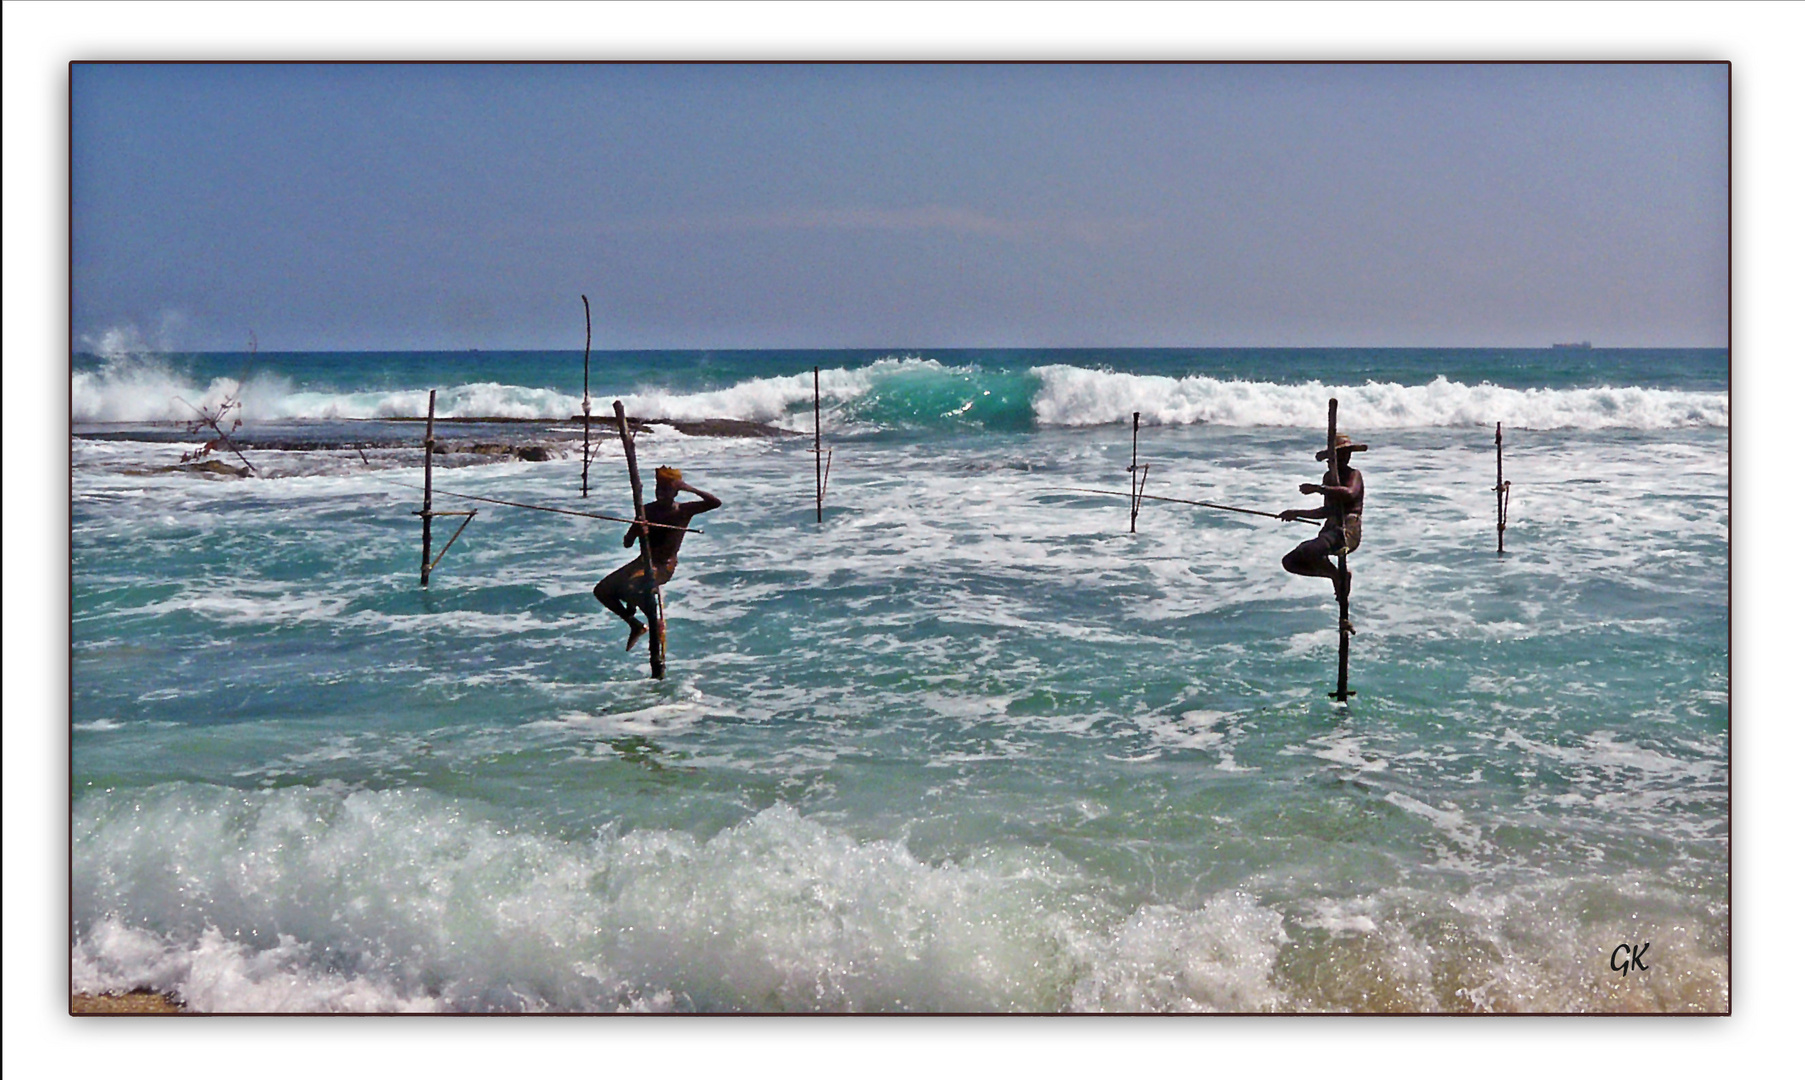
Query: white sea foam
(139, 388)
(1448, 820)
(393, 900)
(341, 900)
(1072, 396)
(1218, 958)
(768, 400)
(147, 388)
(958, 618)
(366, 902)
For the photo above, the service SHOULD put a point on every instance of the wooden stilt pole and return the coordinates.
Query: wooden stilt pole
(655, 618)
(819, 493)
(1341, 691)
(585, 397)
(432, 400)
(1503, 488)
(1134, 474)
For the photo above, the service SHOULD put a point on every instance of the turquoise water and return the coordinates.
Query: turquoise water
(967, 745)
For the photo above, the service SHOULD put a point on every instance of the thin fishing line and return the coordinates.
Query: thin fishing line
(532, 506)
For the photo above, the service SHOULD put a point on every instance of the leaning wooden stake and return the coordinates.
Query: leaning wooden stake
(1137, 476)
(432, 401)
(585, 397)
(654, 618)
(1503, 489)
(428, 561)
(1341, 691)
(1134, 461)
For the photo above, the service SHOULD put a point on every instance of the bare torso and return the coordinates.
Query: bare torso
(1338, 505)
(665, 542)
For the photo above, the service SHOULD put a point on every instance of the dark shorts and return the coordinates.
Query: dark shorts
(630, 585)
(1345, 534)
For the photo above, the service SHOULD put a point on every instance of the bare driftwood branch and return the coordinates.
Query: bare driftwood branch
(213, 419)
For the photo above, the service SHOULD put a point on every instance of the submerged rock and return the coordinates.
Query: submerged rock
(207, 468)
(720, 427)
(527, 452)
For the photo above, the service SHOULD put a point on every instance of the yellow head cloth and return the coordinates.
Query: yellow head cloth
(668, 475)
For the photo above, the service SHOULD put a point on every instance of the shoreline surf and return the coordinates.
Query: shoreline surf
(965, 745)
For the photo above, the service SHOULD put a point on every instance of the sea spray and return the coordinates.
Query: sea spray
(909, 393)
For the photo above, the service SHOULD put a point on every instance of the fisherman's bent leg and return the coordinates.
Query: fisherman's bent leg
(617, 592)
(1311, 559)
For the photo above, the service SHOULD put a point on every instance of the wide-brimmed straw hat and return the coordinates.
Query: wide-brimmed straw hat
(1342, 442)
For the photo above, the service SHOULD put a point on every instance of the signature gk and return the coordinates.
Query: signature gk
(1624, 958)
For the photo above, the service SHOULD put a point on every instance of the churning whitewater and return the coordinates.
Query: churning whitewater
(966, 745)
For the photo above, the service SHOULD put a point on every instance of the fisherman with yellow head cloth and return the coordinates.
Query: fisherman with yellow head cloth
(626, 589)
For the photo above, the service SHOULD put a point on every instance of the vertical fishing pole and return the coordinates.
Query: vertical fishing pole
(655, 617)
(432, 399)
(585, 396)
(1134, 472)
(1503, 488)
(1341, 691)
(819, 493)
(1137, 475)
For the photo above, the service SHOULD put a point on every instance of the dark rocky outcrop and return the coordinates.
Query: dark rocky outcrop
(719, 427)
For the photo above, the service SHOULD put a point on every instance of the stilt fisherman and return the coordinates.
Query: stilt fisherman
(1340, 516)
(628, 588)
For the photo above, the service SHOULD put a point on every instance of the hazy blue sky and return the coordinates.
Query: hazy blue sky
(424, 207)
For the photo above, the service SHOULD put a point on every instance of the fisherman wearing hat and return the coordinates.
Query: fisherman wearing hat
(627, 588)
(1340, 515)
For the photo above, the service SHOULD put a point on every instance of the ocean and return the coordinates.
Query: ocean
(968, 744)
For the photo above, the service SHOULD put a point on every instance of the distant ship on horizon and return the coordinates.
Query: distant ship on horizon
(1571, 345)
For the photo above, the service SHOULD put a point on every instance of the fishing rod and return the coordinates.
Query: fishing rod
(1187, 502)
(556, 510)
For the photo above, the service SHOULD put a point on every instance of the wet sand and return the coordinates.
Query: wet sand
(139, 1002)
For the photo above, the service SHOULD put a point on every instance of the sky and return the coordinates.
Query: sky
(419, 206)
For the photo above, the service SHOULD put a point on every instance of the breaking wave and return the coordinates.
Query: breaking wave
(1070, 396)
(916, 393)
(315, 900)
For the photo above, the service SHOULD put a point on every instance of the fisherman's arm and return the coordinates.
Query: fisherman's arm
(1314, 515)
(1347, 494)
(709, 502)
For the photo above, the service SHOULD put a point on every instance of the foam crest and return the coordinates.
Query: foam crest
(138, 389)
(909, 392)
(767, 400)
(325, 899)
(376, 901)
(315, 901)
(1071, 396)
(148, 393)
(1220, 958)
